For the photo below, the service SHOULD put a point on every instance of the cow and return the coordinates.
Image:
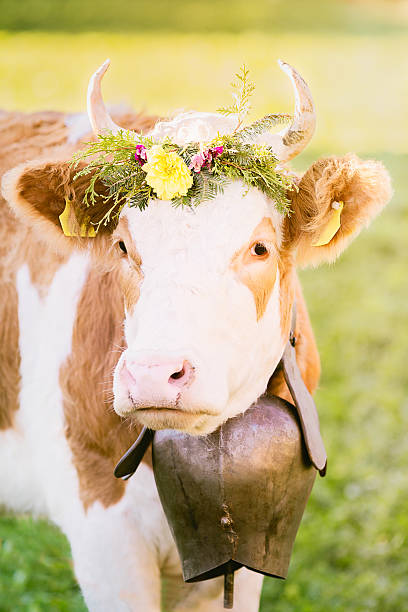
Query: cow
(174, 318)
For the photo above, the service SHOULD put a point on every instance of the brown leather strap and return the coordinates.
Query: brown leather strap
(129, 463)
(306, 408)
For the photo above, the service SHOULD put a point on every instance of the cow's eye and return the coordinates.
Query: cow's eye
(122, 246)
(259, 249)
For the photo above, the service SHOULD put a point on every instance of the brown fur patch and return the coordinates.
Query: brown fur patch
(307, 355)
(363, 186)
(258, 273)
(97, 436)
(131, 274)
(38, 191)
(24, 137)
(9, 355)
(287, 278)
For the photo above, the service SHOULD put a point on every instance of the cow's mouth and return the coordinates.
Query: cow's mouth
(171, 413)
(167, 412)
(169, 418)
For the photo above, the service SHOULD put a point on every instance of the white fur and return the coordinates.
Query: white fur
(193, 305)
(78, 125)
(193, 126)
(37, 441)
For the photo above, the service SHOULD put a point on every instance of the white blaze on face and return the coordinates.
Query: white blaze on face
(208, 311)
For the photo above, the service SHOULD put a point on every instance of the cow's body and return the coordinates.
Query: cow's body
(57, 457)
(62, 334)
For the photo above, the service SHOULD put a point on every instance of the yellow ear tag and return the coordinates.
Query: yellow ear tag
(332, 226)
(70, 225)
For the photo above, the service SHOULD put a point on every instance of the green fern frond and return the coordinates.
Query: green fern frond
(260, 126)
(244, 89)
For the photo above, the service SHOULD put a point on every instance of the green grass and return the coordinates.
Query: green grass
(351, 551)
(353, 17)
(35, 568)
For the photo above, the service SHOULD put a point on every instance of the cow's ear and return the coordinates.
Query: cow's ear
(336, 198)
(40, 192)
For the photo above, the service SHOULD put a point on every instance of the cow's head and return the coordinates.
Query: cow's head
(207, 292)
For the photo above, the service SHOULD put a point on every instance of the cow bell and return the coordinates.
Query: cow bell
(235, 497)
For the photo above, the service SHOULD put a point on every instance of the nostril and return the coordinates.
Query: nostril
(183, 377)
(179, 374)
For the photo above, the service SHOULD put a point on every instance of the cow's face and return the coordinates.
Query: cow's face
(204, 325)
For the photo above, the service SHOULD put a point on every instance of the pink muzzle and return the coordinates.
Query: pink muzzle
(153, 381)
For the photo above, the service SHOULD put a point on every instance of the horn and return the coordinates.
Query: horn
(98, 115)
(291, 141)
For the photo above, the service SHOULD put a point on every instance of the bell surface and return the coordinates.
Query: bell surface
(235, 497)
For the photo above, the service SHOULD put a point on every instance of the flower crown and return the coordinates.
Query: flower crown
(136, 168)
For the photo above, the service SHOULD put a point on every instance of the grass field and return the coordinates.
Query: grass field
(351, 553)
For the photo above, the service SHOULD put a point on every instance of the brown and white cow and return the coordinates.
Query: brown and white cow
(171, 320)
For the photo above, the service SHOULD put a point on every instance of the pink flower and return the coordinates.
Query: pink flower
(216, 151)
(204, 159)
(197, 162)
(140, 154)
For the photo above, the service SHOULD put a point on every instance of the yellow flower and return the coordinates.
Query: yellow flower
(167, 173)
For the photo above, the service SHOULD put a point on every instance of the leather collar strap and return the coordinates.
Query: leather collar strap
(306, 409)
(304, 402)
(129, 463)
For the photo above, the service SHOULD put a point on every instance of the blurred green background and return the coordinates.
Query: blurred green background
(352, 551)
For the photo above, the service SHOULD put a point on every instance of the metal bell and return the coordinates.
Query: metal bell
(235, 497)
